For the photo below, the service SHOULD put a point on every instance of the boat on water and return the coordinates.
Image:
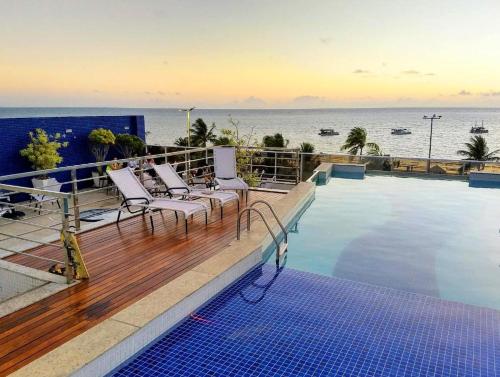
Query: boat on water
(327, 132)
(478, 129)
(400, 131)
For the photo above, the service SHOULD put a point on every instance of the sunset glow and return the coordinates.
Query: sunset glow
(251, 54)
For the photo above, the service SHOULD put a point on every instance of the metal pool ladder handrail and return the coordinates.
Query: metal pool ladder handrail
(283, 229)
(279, 250)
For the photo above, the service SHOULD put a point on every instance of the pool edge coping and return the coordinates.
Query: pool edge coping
(107, 345)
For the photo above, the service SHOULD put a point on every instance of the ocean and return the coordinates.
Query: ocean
(163, 126)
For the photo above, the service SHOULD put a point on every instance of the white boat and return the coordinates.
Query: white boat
(327, 132)
(400, 131)
(478, 129)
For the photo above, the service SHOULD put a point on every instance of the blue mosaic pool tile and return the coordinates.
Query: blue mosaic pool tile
(294, 323)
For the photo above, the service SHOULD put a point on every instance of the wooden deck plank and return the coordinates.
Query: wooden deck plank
(126, 263)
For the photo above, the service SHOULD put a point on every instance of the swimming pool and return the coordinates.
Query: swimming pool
(435, 237)
(364, 292)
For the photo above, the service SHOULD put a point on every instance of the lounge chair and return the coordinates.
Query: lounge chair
(225, 170)
(135, 195)
(177, 187)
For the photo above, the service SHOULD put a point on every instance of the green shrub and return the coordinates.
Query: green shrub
(128, 145)
(43, 150)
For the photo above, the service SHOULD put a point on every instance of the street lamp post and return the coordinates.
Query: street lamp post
(432, 119)
(188, 127)
(188, 123)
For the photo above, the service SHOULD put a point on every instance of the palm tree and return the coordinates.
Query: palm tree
(356, 141)
(202, 134)
(306, 147)
(275, 141)
(477, 150)
(181, 142)
(374, 150)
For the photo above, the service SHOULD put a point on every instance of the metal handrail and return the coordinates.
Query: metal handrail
(238, 228)
(99, 164)
(261, 201)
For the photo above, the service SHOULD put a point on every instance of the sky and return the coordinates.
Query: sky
(250, 54)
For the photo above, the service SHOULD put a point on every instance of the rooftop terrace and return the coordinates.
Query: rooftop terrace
(126, 262)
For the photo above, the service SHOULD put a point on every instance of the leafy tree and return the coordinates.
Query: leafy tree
(100, 140)
(43, 150)
(356, 141)
(201, 134)
(243, 154)
(275, 141)
(128, 145)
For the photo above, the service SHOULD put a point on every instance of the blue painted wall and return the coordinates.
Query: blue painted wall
(14, 137)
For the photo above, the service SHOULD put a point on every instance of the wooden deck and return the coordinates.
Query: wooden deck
(126, 263)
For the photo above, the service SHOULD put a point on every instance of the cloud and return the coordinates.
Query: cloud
(165, 62)
(491, 93)
(160, 93)
(430, 74)
(253, 102)
(361, 72)
(97, 91)
(308, 101)
(325, 40)
(464, 92)
(177, 93)
(411, 72)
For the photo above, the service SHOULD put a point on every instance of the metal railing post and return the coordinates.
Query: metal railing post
(65, 232)
(275, 164)
(74, 192)
(141, 169)
(301, 166)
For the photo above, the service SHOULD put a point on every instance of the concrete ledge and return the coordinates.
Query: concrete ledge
(110, 343)
(32, 272)
(349, 168)
(484, 176)
(323, 172)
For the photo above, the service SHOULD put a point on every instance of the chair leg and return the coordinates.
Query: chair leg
(206, 218)
(211, 204)
(151, 220)
(238, 204)
(118, 217)
(176, 216)
(186, 224)
(58, 204)
(221, 211)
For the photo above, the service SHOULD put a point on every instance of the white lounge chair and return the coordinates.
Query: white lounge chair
(177, 187)
(135, 195)
(225, 170)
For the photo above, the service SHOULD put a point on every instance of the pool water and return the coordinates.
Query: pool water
(294, 323)
(435, 237)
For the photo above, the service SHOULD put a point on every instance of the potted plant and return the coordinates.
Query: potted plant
(43, 153)
(100, 139)
(129, 145)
